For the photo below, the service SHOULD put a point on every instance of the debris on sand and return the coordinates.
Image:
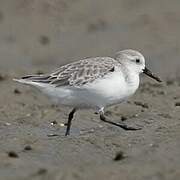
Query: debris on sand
(143, 105)
(27, 148)
(123, 118)
(54, 122)
(52, 135)
(177, 104)
(119, 156)
(13, 154)
(17, 91)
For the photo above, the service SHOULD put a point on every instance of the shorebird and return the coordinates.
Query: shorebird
(95, 82)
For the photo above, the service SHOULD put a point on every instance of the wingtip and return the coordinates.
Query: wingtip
(14, 79)
(19, 80)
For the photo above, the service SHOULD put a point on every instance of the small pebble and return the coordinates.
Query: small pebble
(27, 148)
(119, 156)
(13, 154)
(123, 118)
(177, 104)
(17, 91)
(53, 122)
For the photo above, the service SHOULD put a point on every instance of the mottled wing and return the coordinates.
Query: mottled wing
(84, 71)
(78, 73)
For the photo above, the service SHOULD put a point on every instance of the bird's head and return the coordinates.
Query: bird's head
(134, 61)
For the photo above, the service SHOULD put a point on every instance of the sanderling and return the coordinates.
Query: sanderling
(93, 83)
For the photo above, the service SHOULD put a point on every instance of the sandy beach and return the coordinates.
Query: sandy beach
(38, 37)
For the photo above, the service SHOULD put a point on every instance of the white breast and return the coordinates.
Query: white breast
(114, 88)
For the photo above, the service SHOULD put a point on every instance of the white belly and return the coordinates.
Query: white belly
(113, 89)
(110, 90)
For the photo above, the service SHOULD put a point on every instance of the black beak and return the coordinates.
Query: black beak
(150, 74)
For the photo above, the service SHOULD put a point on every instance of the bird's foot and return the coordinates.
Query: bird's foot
(121, 125)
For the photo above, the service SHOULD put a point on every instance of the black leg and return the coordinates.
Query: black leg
(71, 115)
(121, 125)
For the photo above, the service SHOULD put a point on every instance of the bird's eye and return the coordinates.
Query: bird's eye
(137, 60)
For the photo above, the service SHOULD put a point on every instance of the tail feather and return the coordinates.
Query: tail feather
(30, 80)
(34, 78)
(23, 81)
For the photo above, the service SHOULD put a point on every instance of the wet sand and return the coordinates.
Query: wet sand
(38, 36)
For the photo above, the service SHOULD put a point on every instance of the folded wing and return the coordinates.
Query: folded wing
(77, 73)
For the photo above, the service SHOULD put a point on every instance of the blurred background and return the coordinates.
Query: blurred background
(37, 36)
(40, 35)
